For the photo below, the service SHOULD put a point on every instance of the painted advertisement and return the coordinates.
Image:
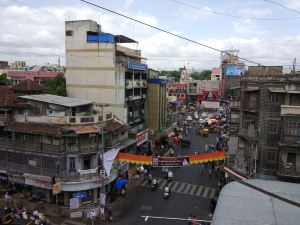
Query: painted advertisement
(170, 161)
(235, 70)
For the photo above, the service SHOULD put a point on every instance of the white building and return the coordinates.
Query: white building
(100, 69)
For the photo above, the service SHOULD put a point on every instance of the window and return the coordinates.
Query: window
(87, 163)
(276, 97)
(72, 164)
(69, 32)
(271, 156)
(273, 128)
(292, 128)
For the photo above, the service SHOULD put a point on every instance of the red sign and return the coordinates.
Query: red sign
(142, 137)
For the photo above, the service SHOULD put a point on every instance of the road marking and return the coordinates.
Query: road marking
(172, 184)
(144, 183)
(146, 218)
(186, 190)
(212, 194)
(162, 185)
(199, 191)
(181, 187)
(174, 218)
(205, 191)
(193, 189)
(173, 188)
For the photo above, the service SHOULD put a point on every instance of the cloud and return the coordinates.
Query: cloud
(293, 4)
(41, 31)
(255, 13)
(247, 27)
(128, 4)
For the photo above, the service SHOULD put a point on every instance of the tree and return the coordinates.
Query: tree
(56, 86)
(4, 80)
(203, 75)
(174, 73)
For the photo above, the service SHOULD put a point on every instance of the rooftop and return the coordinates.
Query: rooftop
(28, 85)
(239, 204)
(57, 100)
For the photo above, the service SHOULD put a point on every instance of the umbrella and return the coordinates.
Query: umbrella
(120, 183)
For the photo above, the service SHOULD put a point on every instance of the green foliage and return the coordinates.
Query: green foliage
(4, 80)
(174, 73)
(203, 75)
(56, 86)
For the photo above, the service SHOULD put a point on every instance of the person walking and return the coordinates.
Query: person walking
(209, 172)
(102, 213)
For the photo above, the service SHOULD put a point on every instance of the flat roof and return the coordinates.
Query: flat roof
(242, 205)
(57, 100)
(124, 39)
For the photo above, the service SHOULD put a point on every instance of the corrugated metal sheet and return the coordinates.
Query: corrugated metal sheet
(58, 100)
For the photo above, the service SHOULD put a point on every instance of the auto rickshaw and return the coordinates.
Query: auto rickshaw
(204, 132)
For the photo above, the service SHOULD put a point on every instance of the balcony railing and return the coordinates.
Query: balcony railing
(96, 118)
(32, 146)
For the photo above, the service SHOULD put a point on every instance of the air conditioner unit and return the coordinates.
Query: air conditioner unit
(151, 132)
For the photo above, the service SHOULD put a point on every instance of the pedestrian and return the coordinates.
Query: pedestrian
(194, 222)
(201, 168)
(209, 172)
(206, 148)
(93, 216)
(109, 214)
(102, 213)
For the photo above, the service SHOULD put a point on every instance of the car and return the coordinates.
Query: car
(203, 115)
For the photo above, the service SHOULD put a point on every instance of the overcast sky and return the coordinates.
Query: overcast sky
(33, 30)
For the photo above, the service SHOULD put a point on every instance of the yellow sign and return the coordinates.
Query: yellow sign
(56, 189)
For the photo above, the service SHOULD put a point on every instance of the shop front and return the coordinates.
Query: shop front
(39, 188)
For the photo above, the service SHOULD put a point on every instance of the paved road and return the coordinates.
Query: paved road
(190, 193)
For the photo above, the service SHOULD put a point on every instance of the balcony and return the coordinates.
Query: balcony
(288, 170)
(32, 146)
(4, 118)
(290, 110)
(129, 84)
(95, 118)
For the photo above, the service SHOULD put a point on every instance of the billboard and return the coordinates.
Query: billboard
(210, 104)
(165, 161)
(235, 70)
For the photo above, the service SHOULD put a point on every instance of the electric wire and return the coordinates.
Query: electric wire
(283, 6)
(233, 16)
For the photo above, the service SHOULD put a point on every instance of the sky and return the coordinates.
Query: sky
(264, 31)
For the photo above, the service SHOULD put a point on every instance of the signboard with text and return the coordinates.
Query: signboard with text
(178, 161)
(142, 137)
(137, 66)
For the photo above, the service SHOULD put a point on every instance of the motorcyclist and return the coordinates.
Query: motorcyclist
(170, 175)
(167, 192)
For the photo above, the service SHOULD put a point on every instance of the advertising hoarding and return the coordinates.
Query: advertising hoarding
(210, 104)
(170, 161)
(235, 70)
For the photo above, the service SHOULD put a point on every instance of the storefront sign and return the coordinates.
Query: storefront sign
(79, 195)
(56, 189)
(3, 176)
(16, 178)
(76, 214)
(142, 137)
(137, 66)
(170, 161)
(38, 181)
(74, 203)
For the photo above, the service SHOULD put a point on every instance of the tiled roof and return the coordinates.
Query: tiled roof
(114, 125)
(32, 74)
(6, 96)
(36, 128)
(28, 85)
(87, 129)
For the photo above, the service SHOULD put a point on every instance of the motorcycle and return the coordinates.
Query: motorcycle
(154, 185)
(167, 193)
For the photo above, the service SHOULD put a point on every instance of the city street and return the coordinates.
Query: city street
(190, 192)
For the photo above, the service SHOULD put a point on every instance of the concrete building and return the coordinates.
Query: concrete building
(51, 140)
(101, 69)
(17, 65)
(216, 74)
(18, 76)
(269, 132)
(157, 105)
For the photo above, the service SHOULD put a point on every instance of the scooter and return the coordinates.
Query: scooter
(154, 186)
(166, 194)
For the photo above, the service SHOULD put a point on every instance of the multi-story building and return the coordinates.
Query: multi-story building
(17, 65)
(216, 74)
(197, 90)
(157, 106)
(101, 69)
(269, 123)
(57, 140)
